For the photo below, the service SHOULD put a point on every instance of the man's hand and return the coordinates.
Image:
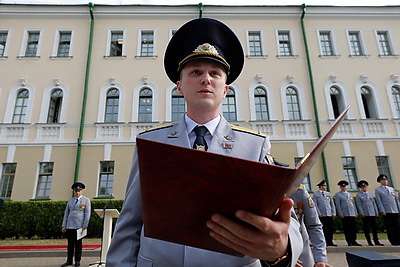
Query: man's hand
(322, 264)
(268, 241)
(63, 229)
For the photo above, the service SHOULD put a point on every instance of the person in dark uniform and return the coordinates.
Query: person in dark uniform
(368, 210)
(347, 212)
(76, 216)
(389, 206)
(326, 211)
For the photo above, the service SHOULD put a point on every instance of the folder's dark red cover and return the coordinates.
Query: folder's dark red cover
(181, 188)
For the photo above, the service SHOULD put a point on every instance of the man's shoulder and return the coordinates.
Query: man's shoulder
(247, 131)
(157, 128)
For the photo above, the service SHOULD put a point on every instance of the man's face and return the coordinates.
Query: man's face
(343, 188)
(364, 188)
(203, 85)
(384, 182)
(322, 188)
(77, 192)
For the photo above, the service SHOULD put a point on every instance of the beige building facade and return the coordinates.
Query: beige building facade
(79, 82)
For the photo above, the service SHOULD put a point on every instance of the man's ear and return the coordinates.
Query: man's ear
(226, 89)
(179, 87)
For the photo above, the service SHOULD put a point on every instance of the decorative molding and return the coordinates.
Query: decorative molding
(364, 78)
(23, 81)
(333, 78)
(145, 79)
(290, 78)
(57, 81)
(259, 78)
(395, 78)
(113, 80)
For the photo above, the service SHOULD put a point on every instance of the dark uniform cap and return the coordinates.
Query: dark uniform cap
(343, 183)
(362, 183)
(78, 185)
(380, 177)
(204, 38)
(323, 182)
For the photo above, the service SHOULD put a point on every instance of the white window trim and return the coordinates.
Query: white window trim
(302, 100)
(102, 102)
(271, 108)
(11, 103)
(344, 92)
(238, 102)
(108, 44)
(8, 31)
(391, 44)
(362, 41)
(170, 32)
(57, 42)
(389, 86)
(139, 44)
(292, 43)
(263, 50)
(373, 88)
(334, 49)
(25, 42)
(46, 102)
(135, 108)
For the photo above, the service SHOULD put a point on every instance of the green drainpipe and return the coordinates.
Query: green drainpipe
(84, 100)
(200, 5)
(303, 7)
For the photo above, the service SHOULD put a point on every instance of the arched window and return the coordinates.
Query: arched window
(293, 105)
(336, 101)
(229, 106)
(145, 105)
(56, 98)
(396, 99)
(261, 104)
(368, 103)
(112, 105)
(178, 105)
(21, 105)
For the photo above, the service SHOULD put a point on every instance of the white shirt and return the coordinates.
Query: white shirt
(211, 127)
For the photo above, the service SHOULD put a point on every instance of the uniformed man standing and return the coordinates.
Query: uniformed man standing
(326, 211)
(76, 216)
(347, 212)
(368, 210)
(389, 206)
(312, 230)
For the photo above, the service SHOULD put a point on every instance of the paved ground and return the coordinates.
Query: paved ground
(56, 257)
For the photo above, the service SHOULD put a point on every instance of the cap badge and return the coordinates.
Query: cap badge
(206, 48)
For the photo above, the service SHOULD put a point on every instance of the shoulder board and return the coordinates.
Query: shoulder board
(245, 130)
(301, 187)
(157, 128)
(85, 197)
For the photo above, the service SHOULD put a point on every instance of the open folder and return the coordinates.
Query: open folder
(181, 188)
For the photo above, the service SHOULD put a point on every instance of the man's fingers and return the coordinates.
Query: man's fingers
(284, 210)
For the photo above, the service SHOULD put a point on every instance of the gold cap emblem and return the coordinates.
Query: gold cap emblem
(206, 48)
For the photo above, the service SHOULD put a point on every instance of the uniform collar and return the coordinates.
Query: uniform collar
(211, 125)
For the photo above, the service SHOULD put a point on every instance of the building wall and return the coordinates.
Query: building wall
(35, 141)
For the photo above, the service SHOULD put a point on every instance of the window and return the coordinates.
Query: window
(7, 179)
(261, 103)
(147, 43)
(325, 39)
(356, 48)
(284, 41)
(368, 103)
(44, 182)
(55, 106)
(106, 179)
(145, 105)
(307, 179)
(229, 106)
(254, 39)
(3, 42)
(21, 105)
(382, 162)
(293, 105)
(117, 41)
(64, 44)
(32, 44)
(112, 105)
(396, 99)
(350, 174)
(178, 105)
(385, 48)
(336, 101)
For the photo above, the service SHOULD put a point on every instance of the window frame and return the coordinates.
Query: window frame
(148, 115)
(389, 41)
(290, 40)
(47, 182)
(5, 43)
(114, 114)
(140, 53)
(261, 43)
(57, 40)
(110, 40)
(226, 103)
(362, 47)
(354, 174)
(25, 40)
(107, 181)
(331, 42)
(7, 180)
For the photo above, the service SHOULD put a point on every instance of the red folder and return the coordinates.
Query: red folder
(181, 188)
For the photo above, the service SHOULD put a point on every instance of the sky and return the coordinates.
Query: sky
(216, 2)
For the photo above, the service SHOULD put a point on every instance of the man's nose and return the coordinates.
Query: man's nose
(206, 78)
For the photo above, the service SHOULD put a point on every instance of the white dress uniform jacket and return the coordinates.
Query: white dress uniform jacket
(77, 214)
(386, 199)
(129, 247)
(366, 204)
